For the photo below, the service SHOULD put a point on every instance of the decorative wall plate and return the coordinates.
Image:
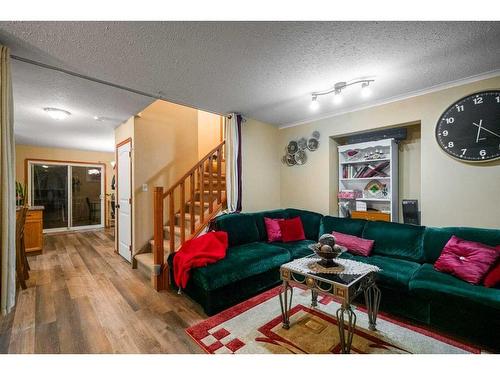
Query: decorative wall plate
(290, 160)
(302, 143)
(300, 157)
(375, 189)
(292, 147)
(316, 134)
(312, 144)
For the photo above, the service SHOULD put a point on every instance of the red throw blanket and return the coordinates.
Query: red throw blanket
(198, 252)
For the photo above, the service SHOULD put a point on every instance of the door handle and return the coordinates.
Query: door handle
(117, 205)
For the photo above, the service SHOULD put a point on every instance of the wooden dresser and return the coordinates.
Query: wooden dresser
(33, 230)
(371, 215)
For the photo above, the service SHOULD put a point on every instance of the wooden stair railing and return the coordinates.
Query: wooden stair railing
(173, 201)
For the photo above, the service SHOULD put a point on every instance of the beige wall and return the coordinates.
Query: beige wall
(208, 132)
(260, 155)
(165, 147)
(452, 192)
(24, 152)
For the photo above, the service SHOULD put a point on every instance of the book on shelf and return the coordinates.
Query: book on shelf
(365, 171)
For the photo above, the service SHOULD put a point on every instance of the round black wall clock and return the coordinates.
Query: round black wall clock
(469, 129)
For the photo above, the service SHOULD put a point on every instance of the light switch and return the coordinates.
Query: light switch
(144, 187)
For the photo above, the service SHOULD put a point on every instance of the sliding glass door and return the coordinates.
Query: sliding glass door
(72, 194)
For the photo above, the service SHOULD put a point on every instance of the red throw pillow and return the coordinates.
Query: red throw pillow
(492, 279)
(273, 229)
(355, 245)
(467, 260)
(292, 230)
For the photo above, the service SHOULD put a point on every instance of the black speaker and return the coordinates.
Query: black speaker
(410, 212)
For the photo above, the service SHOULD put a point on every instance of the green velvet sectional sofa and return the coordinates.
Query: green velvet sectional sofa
(411, 287)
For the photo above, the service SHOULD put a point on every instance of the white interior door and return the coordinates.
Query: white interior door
(124, 206)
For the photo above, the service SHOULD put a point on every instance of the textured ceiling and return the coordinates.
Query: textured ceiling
(264, 70)
(36, 88)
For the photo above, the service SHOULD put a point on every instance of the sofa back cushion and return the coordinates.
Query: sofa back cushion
(402, 241)
(241, 228)
(436, 238)
(310, 221)
(354, 227)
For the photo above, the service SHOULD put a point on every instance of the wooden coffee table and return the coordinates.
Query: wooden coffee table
(356, 278)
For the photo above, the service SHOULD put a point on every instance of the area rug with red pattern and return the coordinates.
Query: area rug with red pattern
(254, 327)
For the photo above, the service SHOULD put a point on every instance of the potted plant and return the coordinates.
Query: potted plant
(19, 194)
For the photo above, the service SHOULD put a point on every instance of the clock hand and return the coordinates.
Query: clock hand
(478, 129)
(487, 130)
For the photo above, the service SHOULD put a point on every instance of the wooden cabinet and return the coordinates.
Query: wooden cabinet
(33, 230)
(371, 215)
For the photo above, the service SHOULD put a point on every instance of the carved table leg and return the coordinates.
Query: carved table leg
(286, 294)
(372, 301)
(346, 341)
(314, 298)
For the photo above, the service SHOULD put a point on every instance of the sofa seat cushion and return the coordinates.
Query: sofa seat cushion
(395, 272)
(395, 240)
(297, 249)
(434, 285)
(240, 262)
(241, 228)
(354, 227)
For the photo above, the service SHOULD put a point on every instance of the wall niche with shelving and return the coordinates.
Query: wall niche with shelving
(370, 179)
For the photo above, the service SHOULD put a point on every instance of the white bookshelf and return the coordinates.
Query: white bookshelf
(352, 171)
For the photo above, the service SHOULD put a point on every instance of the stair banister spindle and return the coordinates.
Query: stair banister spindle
(158, 250)
(183, 213)
(171, 221)
(210, 185)
(202, 191)
(219, 175)
(191, 199)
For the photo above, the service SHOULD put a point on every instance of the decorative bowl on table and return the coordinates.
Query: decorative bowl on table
(327, 250)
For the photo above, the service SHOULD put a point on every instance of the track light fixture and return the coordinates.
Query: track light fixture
(337, 91)
(314, 103)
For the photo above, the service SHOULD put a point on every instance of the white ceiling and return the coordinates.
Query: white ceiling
(264, 70)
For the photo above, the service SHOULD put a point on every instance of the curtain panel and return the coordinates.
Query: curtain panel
(7, 188)
(232, 127)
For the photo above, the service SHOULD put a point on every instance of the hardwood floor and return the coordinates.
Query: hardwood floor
(84, 298)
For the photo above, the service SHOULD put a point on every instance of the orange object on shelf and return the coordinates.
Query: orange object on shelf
(371, 215)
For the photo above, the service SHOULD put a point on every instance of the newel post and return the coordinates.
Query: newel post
(160, 271)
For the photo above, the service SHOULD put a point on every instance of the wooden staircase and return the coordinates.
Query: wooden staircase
(188, 205)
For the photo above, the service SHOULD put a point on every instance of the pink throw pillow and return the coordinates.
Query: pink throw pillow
(354, 244)
(273, 229)
(467, 260)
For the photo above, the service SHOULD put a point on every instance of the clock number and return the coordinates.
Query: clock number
(478, 100)
(460, 108)
(445, 133)
(497, 99)
(464, 150)
(482, 152)
(450, 120)
(451, 144)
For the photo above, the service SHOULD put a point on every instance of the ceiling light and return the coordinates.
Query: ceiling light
(337, 91)
(57, 114)
(314, 104)
(366, 91)
(337, 97)
(45, 166)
